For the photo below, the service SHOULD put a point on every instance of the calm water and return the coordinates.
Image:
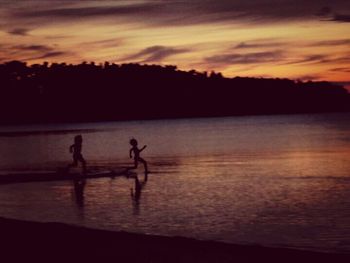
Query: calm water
(270, 180)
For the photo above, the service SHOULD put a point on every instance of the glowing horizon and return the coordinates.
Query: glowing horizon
(293, 39)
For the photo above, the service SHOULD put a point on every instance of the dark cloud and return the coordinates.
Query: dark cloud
(347, 70)
(155, 54)
(48, 55)
(32, 48)
(243, 45)
(311, 59)
(337, 42)
(329, 15)
(30, 52)
(339, 59)
(24, 50)
(341, 18)
(19, 31)
(170, 12)
(249, 58)
(259, 44)
(113, 42)
(320, 59)
(92, 11)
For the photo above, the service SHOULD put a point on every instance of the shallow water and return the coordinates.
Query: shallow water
(270, 180)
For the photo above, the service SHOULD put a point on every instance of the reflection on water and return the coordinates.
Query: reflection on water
(136, 193)
(278, 181)
(79, 185)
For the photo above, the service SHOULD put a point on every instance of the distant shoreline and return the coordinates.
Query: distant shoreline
(23, 240)
(111, 92)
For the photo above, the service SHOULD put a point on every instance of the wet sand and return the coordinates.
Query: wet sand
(23, 241)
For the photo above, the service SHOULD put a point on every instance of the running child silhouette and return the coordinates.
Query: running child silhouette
(77, 155)
(136, 151)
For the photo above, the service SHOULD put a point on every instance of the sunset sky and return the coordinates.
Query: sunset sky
(298, 39)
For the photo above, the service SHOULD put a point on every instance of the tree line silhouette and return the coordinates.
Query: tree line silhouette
(61, 92)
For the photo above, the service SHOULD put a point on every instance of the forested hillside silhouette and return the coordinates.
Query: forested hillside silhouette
(90, 92)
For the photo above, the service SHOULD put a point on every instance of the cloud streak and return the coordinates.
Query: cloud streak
(318, 58)
(337, 42)
(104, 43)
(328, 14)
(30, 52)
(244, 59)
(341, 18)
(154, 54)
(184, 12)
(258, 44)
(47, 55)
(19, 31)
(32, 48)
(91, 11)
(346, 70)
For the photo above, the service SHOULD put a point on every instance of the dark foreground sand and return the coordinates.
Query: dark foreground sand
(54, 242)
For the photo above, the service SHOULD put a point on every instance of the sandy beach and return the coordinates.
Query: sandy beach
(22, 240)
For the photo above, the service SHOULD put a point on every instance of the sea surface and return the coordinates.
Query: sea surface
(279, 181)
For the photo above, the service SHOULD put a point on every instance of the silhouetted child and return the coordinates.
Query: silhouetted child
(76, 150)
(137, 152)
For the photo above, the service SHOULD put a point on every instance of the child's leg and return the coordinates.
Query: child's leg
(74, 163)
(144, 164)
(84, 165)
(83, 162)
(136, 163)
(133, 167)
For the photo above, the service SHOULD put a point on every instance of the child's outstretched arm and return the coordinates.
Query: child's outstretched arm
(71, 148)
(130, 153)
(143, 148)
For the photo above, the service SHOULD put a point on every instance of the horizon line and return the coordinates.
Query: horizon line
(103, 65)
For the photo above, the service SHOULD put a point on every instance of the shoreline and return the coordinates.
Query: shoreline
(60, 175)
(25, 240)
(111, 120)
